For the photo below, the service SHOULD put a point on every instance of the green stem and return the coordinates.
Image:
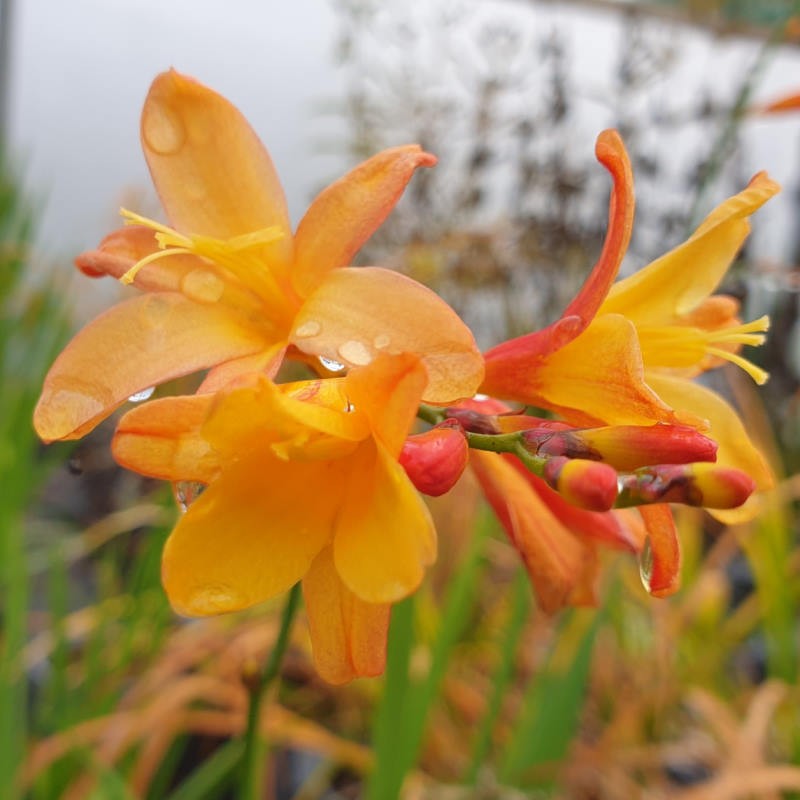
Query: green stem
(255, 747)
(431, 414)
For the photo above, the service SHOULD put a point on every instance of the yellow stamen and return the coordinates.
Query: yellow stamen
(240, 255)
(683, 346)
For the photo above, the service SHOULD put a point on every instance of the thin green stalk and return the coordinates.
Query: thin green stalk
(255, 748)
(520, 607)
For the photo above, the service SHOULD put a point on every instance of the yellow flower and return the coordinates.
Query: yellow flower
(227, 286)
(303, 483)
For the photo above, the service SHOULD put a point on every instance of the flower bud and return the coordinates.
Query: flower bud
(586, 484)
(434, 460)
(704, 485)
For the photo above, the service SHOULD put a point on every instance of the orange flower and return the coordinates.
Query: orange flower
(228, 288)
(303, 483)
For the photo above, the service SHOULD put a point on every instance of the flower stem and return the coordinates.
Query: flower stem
(255, 747)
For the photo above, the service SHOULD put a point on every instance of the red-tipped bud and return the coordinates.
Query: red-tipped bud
(628, 447)
(434, 460)
(692, 484)
(722, 487)
(624, 447)
(586, 484)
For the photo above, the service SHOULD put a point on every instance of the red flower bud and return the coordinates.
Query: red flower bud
(586, 484)
(434, 460)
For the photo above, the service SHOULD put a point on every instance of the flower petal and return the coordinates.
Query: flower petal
(662, 576)
(676, 283)
(384, 533)
(162, 439)
(213, 175)
(134, 345)
(555, 559)
(599, 374)
(225, 376)
(523, 353)
(348, 636)
(123, 248)
(357, 313)
(388, 391)
(349, 211)
(735, 447)
(251, 535)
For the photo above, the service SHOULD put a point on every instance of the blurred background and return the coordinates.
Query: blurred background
(692, 697)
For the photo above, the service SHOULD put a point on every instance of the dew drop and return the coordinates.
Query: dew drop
(202, 286)
(356, 353)
(330, 364)
(215, 598)
(186, 492)
(381, 341)
(308, 328)
(75, 464)
(145, 394)
(163, 130)
(646, 564)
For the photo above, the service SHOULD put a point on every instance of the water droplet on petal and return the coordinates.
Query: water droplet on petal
(308, 328)
(215, 599)
(382, 340)
(330, 364)
(145, 394)
(646, 564)
(186, 492)
(356, 353)
(203, 286)
(163, 130)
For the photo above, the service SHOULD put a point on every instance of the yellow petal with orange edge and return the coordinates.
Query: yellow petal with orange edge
(348, 636)
(213, 175)
(679, 281)
(349, 211)
(357, 313)
(735, 447)
(251, 535)
(555, 559)
(262, 414)
(384, 533)
(162, 439)
(134, 345)
(388, 391)
(600, 374)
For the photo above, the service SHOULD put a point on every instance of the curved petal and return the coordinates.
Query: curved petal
(599, 374)
(349, 211)
(162, 439)
(348, 636)
(213, 175)
(384, 533)
(263, 415)
(251, 535)
(229, 374)
(134, 345)
(735, 447)
(555, 559)
(359, 312)
(123, 248)
(662, 575)
(525, 352)
(676, 283)
(388, 391)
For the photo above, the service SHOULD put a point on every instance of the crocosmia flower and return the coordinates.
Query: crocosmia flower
(228, 288)
(303, 483)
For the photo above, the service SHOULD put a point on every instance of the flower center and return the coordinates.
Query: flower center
(684, 347)
(243, 256)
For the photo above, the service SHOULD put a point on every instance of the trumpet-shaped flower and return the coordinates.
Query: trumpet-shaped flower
(625, 353)
(303, 483)
(228, 288)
